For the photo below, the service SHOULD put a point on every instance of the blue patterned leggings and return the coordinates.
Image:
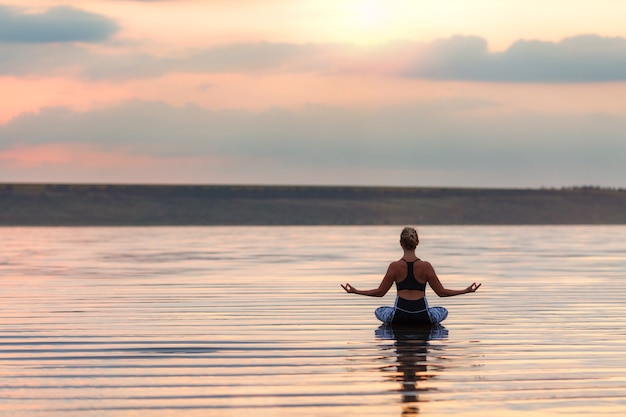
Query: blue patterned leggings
(414, 312)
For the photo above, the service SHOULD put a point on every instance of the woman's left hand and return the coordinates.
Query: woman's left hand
(349, 288)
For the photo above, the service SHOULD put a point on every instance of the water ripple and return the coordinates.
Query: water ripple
(113, 322)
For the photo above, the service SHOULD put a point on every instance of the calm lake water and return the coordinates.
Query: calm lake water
(232, 321)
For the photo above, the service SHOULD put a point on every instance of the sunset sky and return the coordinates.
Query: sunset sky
(480, 93)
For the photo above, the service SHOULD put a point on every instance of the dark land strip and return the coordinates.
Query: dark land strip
(178, 205)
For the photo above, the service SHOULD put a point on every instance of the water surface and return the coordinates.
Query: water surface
(226, 321)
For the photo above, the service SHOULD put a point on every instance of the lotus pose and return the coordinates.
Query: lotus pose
(411, 275)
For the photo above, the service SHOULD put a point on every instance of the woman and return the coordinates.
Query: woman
(411, 275)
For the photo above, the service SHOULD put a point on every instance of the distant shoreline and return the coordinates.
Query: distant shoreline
(180, 205)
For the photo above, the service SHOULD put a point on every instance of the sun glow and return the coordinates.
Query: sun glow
(362, 21)
(370, 13)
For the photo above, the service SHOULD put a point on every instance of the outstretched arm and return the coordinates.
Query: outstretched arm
(440, 290)
(382, 289)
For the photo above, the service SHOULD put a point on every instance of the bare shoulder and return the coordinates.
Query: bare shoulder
(425, 266)
(397, 268)
(395, 265)
(424, 263)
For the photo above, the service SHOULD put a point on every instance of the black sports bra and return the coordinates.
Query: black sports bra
(410, 283)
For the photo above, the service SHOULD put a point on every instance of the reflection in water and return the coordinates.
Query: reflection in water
(411, 351)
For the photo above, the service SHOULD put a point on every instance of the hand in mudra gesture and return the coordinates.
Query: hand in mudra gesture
(349, 288)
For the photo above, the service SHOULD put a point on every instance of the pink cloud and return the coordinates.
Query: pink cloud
(64, 162)
(23, 95)
(78, 155)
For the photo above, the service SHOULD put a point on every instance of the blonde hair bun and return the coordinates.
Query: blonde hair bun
(408, 238)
